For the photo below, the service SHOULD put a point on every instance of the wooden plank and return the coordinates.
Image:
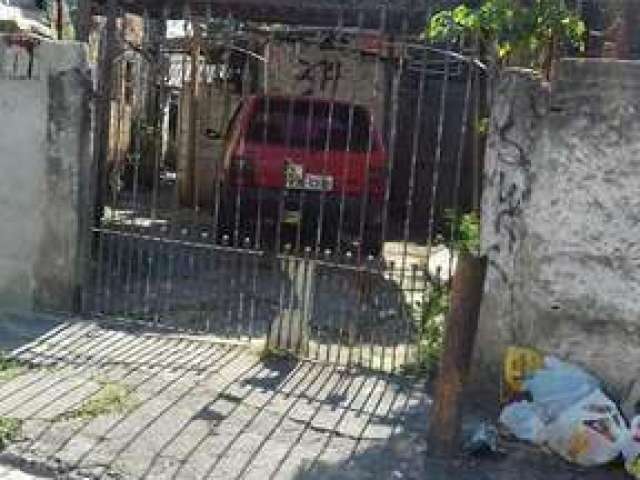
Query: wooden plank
(462, 326)
(299, 12)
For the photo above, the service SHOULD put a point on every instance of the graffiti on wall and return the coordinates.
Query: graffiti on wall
(318, 77)
(510, 179)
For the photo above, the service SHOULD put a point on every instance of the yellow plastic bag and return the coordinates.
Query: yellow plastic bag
(519, 362)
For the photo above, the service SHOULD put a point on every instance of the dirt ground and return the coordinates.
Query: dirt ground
(100, 402)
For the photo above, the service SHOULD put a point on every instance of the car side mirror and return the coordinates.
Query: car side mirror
(212, 134)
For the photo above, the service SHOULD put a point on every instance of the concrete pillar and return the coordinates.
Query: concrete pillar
(45, 159)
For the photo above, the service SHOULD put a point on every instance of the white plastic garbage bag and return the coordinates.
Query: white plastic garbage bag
(559, 386)
(592, 432)
(523, 421)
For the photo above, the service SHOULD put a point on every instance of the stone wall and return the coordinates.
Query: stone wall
(561, 221)
(45, 160)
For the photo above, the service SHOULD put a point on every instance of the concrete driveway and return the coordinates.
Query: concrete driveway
(100, 402)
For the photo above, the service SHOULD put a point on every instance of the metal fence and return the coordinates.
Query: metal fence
(299, 184)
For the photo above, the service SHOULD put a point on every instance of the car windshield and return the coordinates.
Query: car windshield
(300, 123)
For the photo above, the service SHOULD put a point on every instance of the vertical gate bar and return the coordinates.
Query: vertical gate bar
(267, 56)
(239, 169)
(367, 174)
(231, 297)
(273, 288)
(477, 167)
(442, 112)
(341, 311)
(207, 70)
(97, 303)
(212, 292)
(210, 71)
(245, 298)
(308, 152)
(149, 272)
(196, 77)
(327, 146)
(114, 157)
(137, 286)
(212, 44)
(255, 304)
(182, 120)
(108, 274)
(415, 152)
(397, 79)
(245, 90)
(283, 191)
(303, 323)
(200, 282)
(325, 160)
(217, 307)
(223, 119)
(357, 69)
(145, 248)
(282, 259)
(128, 238)
(409, 324)
(139, 129)
(108, 50)
(302, 194)
(161, 256)
(327, 328)
(159, 107)
(424, 292)
(171, 263)
(458, 172)
(318, 328)
(292, 297)
(311, 296)
(115, 172)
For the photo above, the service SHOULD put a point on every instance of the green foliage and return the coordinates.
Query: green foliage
(111, 398)
(465, 230)
(10, 368)
(10, 429)
(432, 321)
(433, 310)
(514, 34)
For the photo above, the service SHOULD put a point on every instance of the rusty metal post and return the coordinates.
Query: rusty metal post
(461, 329)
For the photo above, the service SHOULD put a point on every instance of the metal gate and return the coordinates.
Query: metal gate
(300, 184)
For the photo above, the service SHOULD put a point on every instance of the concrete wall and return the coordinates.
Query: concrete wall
(561, 219)
(45, 160)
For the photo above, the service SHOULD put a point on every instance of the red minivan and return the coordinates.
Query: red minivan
(294, 160)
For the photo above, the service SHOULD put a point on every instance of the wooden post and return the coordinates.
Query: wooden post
(83, 24)
(461, 329)
(59, 19)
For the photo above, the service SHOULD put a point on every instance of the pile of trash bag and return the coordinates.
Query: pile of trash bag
(562, 407)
